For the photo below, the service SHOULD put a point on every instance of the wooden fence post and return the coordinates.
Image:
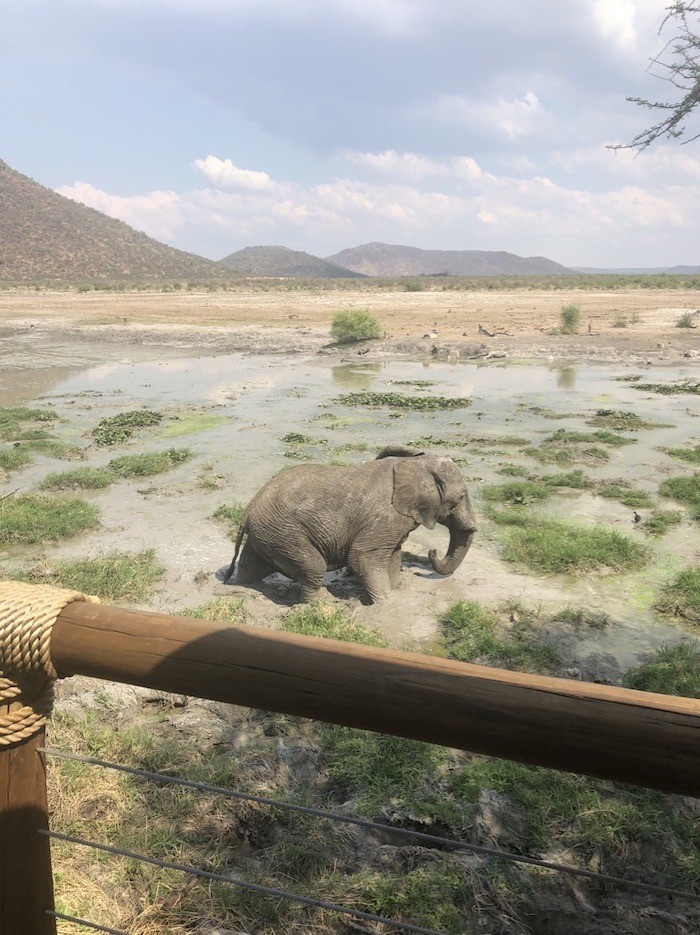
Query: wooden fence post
(26, 885)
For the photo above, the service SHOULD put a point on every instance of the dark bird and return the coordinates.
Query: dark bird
(637, 517)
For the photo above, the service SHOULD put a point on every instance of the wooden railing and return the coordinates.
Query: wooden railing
(630, 736)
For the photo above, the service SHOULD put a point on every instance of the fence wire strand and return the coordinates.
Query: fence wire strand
(84, 923)
(429, 839)
(244, 884)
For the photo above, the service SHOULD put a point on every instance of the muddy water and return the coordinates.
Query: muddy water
(234, 411)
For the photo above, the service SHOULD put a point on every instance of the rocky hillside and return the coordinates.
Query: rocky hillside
(381, 259)
(46, 238)
(281, 261)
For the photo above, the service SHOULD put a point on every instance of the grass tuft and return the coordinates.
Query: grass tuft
(681, 596)
(469, 634)
(621, 420)
(231, 515)
(556, 547)
(145, 465)
(691, 455)
(517, 492)
(660, 521)
(220, 610)
(32, 518)
(626, 494)
(685, 490)
(318, 619)
(84, 478)
(12, 459)
(671, 670)
(115, 576)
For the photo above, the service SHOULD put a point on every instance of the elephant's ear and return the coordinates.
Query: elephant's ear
(398, 451)
(416, 492)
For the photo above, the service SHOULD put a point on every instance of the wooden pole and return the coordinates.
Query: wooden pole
(26, 886)
(637, 737)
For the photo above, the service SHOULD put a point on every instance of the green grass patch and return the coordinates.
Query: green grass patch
(622, 420)
(671, 670)
(324, 620)
(568, 811)
(625, 493)
(377, 769)
(681, 596)
(145, 465)
(32, 518)
(685, 490)
(115, 430)
(575, 480)
(691, 455)
(115, 576)
(581, 617)
(220, 610)
(354, 324)
(517, 492)
(11, 419)
(565, 453)
(472, 633)
(512, 470)
(556, 547)
(660, 521)
(602, 436)
(83, 478)
(12, 459)
(231, 515)
(396, 400)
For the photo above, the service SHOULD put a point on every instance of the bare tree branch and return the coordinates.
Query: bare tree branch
(679, 64)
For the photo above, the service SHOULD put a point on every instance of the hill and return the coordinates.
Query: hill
(46, 238)
(281, 261)
(380, 259)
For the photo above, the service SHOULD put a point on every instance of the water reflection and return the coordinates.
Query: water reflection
(566, 378)
(355, 376)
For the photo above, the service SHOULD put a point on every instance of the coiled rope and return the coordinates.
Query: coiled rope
(27, 615)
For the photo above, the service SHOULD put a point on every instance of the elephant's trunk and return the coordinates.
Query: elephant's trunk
(462, 529)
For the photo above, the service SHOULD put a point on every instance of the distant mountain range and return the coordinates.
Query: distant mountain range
(381, 259)
(281, 261)
(640, 271)
(46, 238)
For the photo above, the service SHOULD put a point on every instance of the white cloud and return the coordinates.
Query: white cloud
(510, 119)
(458, 206)
(223, 174)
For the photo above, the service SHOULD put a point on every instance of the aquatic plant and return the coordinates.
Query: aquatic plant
(419, 403)
(114, 430)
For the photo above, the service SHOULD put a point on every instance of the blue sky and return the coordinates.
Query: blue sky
(323, 124)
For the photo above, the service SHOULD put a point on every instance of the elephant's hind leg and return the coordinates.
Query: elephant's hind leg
(251, 567)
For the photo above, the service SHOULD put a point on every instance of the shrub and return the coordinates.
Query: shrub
(570, 317)
(352, 325)
(686, 321)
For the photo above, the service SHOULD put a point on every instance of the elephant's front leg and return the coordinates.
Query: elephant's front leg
(372, 568)
(394, 568)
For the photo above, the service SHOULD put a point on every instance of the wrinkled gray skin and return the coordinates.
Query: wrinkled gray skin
(315, 518)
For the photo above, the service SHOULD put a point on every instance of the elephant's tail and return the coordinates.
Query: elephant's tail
(242, 531)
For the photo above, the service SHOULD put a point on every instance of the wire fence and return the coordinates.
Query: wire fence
(435, 842)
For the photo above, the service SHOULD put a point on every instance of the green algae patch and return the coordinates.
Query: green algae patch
(189, 423)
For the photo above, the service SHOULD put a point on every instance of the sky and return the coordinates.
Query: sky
(212, 125)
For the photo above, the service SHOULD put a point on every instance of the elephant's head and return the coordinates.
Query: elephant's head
(430, 489)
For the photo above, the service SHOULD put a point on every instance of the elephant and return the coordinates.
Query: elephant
(314, 518)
